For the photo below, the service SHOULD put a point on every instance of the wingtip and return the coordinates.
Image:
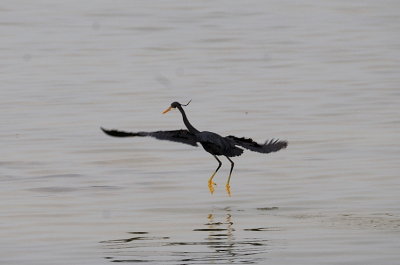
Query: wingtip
(105, 130)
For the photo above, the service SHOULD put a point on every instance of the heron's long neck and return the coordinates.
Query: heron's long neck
(186, 121)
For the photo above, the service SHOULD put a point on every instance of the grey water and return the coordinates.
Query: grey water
(323, 75)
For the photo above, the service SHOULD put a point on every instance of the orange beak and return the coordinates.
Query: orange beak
(165, 111)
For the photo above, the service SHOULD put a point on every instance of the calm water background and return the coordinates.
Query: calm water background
(322, 74)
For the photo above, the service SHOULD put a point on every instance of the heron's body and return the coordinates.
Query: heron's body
(217, 145)
(213, 143)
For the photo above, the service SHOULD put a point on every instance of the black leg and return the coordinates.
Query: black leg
(228, 187)
(210, 180)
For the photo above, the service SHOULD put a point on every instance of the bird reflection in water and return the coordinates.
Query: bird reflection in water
(229, 248)
(221, 232)
(219, 245)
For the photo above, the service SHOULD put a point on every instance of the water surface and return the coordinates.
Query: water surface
(323, 75)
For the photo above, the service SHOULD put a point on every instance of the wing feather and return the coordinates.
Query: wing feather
(180, 136)
(273, 145)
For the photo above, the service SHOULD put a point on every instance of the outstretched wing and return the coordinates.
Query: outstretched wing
(268, 147)
(180, 136)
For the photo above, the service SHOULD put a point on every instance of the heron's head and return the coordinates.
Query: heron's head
(175, 105)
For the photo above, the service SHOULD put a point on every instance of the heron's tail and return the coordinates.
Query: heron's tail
(273, 145)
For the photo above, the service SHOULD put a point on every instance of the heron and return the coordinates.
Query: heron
(213, 143)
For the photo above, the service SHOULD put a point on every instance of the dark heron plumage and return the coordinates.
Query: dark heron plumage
(216, 145)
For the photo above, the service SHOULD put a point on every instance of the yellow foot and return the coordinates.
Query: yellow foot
(211, 185)
(228, 190)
